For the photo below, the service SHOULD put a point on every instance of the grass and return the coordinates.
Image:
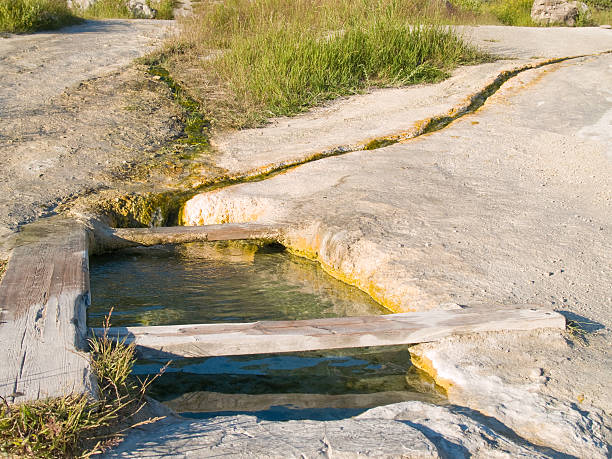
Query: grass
(118, 9)
(506, 12)
(26, 16)
(3, 264)
(247, 61)
(23, 16)
(76, 425)
(577, 330)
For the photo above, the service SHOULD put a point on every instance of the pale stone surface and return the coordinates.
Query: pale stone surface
(350, 123)
(403, 430)
(71, 134)
(507, 376)
(512, 209)
(557, 11)
(511, 204)
(539, 42)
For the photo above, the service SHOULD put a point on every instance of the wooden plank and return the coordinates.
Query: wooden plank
(43, 299)
(113, 239)
(317, 334)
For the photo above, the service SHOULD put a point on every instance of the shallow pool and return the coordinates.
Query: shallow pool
(217, 282)
(246, 282)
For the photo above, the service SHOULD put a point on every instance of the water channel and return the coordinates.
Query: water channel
(245, 282)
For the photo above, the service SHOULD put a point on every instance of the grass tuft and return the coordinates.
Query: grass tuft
(577, 331)
(247, 61)
(76, 425)
(23, 16)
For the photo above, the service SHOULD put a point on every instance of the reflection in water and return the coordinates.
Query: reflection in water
(322, 384)
(217, 282)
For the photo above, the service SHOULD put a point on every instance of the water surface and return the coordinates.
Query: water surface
(240, 282)
(217, 282)
(326, 385)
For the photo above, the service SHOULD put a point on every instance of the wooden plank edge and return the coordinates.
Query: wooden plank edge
(108, 239)
(206, 340)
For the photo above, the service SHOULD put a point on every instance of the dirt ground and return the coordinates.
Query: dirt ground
(75, 113)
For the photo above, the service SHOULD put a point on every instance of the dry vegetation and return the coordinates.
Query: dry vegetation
(77, 425)
(107, 9)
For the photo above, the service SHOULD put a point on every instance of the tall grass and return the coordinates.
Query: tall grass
(21, 16)
(512, 12)
(118, 9)
(246, 61)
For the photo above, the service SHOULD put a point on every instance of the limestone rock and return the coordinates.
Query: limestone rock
(80, 4)
(404, 430)
(140, 9)
(557, 11)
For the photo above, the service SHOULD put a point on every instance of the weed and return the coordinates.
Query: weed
(512, 12)
(164, 8)
(76, 425)
(576, 330)
(21, 16)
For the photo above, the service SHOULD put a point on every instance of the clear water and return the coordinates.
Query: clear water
(239, 282)
(223, 282)
(306, 385)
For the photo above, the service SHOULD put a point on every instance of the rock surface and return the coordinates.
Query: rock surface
(141, 9)
(350, 123)
(75, 132)
(508, 205)
(404, 430)
(557, 12)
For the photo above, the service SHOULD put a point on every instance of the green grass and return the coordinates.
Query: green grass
(247, 61)
(512, 12)
(23, 16)
(118, 9)
(76, 425)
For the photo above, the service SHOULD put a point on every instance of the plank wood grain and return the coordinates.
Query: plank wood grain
(336, 333)
(43, 299)
(108, 239)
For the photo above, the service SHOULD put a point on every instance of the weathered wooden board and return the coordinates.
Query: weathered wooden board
(346, 332)
(113, 239)
(43, 301)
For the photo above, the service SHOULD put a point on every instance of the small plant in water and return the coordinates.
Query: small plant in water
(76, 425)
